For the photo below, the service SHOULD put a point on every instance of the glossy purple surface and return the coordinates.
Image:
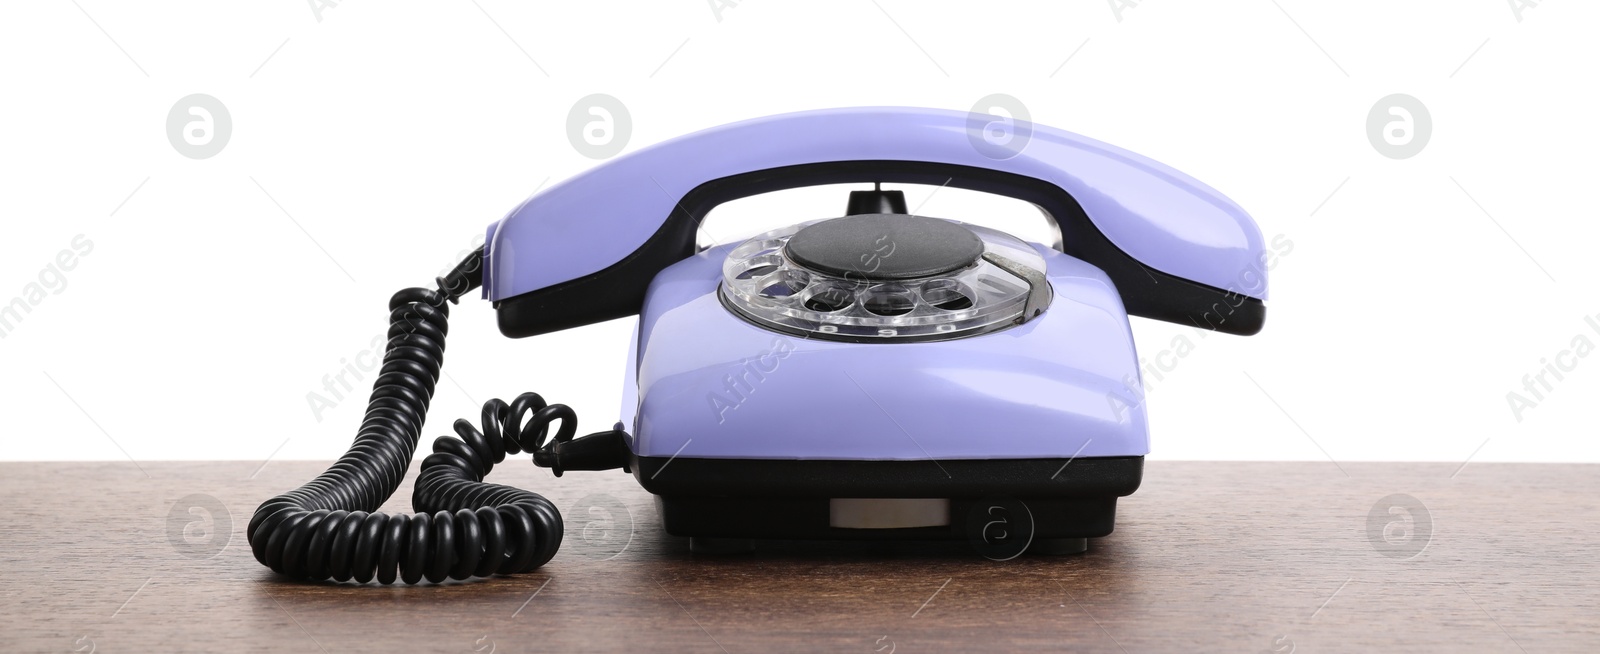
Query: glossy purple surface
(711, 385)
(1167, 220)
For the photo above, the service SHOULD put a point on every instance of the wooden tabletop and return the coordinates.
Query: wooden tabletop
(1239, 557)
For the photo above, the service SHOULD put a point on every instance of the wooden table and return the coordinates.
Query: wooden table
(1239, 557)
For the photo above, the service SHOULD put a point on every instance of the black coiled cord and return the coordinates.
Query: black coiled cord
(329, 528)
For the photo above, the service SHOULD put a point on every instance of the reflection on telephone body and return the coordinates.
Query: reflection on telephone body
(921, 378)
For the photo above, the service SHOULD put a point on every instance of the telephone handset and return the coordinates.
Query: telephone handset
(585, 250)
(878, 375)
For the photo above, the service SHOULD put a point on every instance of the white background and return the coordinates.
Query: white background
(392, 133)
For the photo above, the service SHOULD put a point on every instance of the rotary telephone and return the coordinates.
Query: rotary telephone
(878, 375)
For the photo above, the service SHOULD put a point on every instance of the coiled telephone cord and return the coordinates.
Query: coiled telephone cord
(330, 528)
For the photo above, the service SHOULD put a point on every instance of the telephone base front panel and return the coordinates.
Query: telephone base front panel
(808, 518)
(726, 504)
(1038, 546)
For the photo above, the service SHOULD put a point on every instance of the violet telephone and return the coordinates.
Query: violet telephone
(877, 375)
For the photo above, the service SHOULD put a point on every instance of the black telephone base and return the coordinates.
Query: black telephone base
(727, 546)
(808, 519)
(1001, 506)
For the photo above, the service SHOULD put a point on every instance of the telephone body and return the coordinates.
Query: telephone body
(877, 375)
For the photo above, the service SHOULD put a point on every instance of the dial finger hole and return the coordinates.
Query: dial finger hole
(947, 294)
(786, 284)
(889, 300)
(760, 266)
(830, 298)
(756, 248)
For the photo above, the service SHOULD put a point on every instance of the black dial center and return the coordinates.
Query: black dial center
(884, 246)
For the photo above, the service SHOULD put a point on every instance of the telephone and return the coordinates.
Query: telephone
(878, 375)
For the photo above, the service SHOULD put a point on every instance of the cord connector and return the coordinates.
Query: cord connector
(603, 450)
(462, 279)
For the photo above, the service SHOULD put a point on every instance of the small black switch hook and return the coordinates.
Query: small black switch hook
(876, 200)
